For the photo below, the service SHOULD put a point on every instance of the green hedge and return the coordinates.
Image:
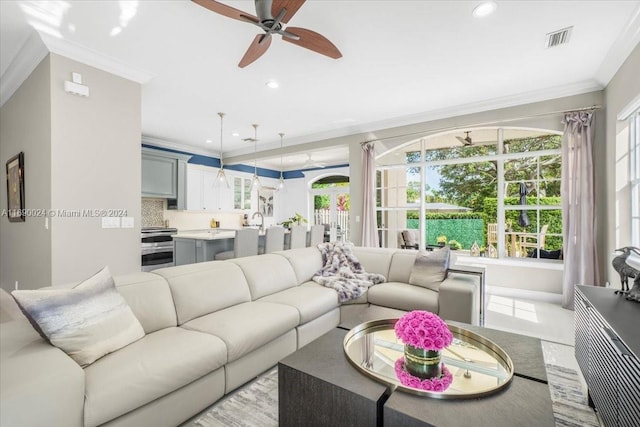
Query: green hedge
(464, 230)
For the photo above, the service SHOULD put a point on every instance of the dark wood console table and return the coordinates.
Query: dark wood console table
(607, 350)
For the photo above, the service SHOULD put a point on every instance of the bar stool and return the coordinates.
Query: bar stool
(298, 238)
(317, 234)
(273, 240)
(244, 244)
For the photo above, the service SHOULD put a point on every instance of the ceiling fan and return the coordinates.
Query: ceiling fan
(271, 15)
(310, 163)
(466, 140)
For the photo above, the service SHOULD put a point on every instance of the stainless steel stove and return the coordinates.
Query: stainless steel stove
(157, 247)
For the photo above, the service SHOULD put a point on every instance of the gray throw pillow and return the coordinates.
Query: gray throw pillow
(86, 322)
(430, 269)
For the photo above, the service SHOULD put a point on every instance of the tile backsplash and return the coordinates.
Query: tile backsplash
(152, 212)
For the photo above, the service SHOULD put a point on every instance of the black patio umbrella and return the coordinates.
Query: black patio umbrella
(523, 219)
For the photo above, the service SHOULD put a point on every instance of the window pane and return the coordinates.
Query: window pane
(521, 141)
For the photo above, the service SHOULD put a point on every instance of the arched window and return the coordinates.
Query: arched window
(497, 188)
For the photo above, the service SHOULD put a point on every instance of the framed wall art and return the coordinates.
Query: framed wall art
(265, 201)
(15, 188)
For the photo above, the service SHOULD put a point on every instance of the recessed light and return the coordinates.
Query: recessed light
(484, 9)
(115, 31)
(236, 134)
(273, 84)
(208, 141)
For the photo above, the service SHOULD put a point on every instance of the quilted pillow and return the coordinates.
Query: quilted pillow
(430, 269)
(86, 322)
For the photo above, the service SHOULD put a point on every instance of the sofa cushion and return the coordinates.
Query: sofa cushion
(266, 274)
(362, 299)
(87, 321)
(150, 300)
(310, 301)
(430, 269)
(401, 265)
(374, 260)
(305, 262)
(403, 296)
(150, 368)
(205, 287)
(245, 327)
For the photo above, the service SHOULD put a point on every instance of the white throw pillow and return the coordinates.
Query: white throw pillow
(86, 322)
(430, 269)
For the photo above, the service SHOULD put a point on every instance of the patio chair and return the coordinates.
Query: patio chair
(492, 234)
(532, 241)
(410, 239)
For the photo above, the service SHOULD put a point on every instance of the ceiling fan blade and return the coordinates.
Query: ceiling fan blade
(313, 41)
(257, 48)
(227, 11)
(464, 141)
(292, 7)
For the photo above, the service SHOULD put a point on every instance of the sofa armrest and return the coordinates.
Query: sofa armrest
(458, 298)
(39, 384)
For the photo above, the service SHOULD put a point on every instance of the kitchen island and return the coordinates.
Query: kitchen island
(194, 246)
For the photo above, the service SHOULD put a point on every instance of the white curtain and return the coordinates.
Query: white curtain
(369, 223)
(578, 205)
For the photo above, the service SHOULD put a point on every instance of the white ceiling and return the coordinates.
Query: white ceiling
(402, 61)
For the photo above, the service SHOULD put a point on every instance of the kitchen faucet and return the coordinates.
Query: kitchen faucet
(261, 219)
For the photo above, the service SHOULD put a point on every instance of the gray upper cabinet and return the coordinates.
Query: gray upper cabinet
(164, 175)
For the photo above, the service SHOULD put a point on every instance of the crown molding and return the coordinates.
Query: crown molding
(163, 143)
(36, 48)
(620, 50)
(32, 52)
(83, 54)
(367, 130)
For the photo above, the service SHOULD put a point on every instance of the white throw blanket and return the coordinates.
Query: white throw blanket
(343, 272)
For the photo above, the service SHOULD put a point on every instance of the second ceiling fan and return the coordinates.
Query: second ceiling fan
(271, 15)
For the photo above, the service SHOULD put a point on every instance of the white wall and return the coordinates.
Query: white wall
(25, 125)
(80, 153)
(95, 164)
(616, 209)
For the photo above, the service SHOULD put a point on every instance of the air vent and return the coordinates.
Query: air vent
(558, 37)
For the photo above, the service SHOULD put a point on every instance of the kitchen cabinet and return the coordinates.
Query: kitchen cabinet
(202, 189)
(164, 175)
(204, 192)
(607, 349)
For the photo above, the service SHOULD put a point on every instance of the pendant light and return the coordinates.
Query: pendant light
(222, 176)
(255, 183)
(280, 185)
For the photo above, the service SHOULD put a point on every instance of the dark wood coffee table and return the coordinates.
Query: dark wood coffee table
(317, 386)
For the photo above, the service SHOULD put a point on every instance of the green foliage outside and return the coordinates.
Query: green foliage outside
(465, 228)
(551, 217)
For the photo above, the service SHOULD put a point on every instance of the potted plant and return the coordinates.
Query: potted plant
(296, 219)
(424, 335)
(441, 240)
(454, 245)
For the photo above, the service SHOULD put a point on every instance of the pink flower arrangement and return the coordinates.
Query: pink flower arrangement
(440, 383)
(423, 329)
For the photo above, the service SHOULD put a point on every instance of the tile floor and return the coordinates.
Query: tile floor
(535, 314)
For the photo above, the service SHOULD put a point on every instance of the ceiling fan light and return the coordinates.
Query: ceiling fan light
(485, 8)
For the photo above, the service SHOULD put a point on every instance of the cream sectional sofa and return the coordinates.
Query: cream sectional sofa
(209, 328)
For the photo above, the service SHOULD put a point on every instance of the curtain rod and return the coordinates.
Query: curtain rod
(514, 119)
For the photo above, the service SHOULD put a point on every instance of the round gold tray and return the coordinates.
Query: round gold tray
(479, 366)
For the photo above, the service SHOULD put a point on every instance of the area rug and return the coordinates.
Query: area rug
(256, 404)
(570, 406)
